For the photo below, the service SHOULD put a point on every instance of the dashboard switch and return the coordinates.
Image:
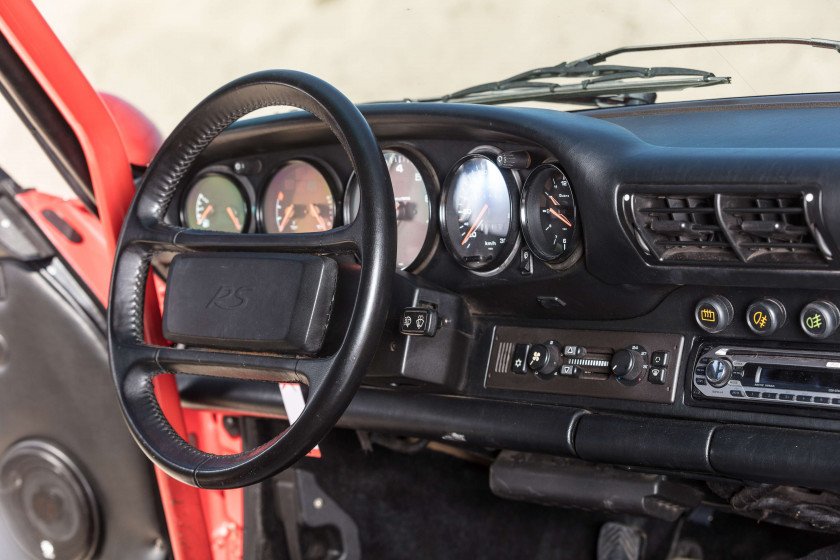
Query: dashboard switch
(659, 359)
(574, 351)
(520, 357)
(544, 359)
(765, 316)
(656, 375)
(419, 321)
(628, 365)
(526, 262)
(514, 160)
(819, 319)
(713, 313)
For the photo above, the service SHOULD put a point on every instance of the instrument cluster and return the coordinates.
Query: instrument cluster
(485, 209)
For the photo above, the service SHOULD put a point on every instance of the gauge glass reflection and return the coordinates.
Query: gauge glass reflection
(298, 200)
(411, 202)
(549, 214)
(215, 202)
(478, 213)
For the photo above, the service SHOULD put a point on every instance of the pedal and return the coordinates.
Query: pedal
(619, 542)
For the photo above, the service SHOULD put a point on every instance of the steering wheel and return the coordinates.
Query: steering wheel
(332, 379)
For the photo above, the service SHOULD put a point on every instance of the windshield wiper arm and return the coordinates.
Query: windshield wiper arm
(606, 80)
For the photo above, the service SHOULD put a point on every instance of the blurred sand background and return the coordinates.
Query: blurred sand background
(164, 56)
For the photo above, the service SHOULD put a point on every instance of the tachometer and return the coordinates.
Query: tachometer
(412, 185)
(478, 213)
(215, 202)
(298, 199)
(549, 215)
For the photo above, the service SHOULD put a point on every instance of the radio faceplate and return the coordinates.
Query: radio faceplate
(767, 376)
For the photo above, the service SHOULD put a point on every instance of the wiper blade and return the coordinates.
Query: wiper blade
(607, 81)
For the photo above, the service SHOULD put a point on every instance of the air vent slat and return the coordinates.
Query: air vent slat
(724, 227)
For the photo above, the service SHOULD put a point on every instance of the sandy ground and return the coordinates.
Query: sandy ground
(165, 56)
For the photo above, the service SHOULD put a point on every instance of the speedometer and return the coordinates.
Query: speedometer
(478, 213)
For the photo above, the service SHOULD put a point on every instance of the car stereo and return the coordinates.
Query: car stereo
(768, 376)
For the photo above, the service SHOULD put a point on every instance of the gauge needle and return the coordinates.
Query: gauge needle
(561, 217)
(233, 218)
(554, 201)
(318, 216)
(475, 224)
(205, 213)
(290, 209)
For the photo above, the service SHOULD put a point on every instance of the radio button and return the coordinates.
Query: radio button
(713, 314)
(821, 400)
(769, 395)
(754, 394)
(700, 381)
(835, 401)
(785, 397)
(736, 393)
(803, 398)
(819, 319)
(765, 316)
(718, 372)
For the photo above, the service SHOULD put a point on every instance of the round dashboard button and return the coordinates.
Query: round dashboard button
(765, 316)
(819, 319)
(713, 313)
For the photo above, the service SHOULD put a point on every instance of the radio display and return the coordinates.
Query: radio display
(802, 378)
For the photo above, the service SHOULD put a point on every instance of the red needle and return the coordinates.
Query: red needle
(561, 217)
(475, 224)
(289, 211)
(234, 219)
(318, 216)
(206, 211)
(554, 201)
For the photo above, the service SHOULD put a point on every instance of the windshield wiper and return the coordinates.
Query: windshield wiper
(607, 84)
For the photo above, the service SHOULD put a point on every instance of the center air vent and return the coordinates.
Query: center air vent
(770, 228)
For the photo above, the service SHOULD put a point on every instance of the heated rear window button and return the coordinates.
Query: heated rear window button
(657, 375)
(520, 354)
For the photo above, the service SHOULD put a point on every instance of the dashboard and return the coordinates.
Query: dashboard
(652, 287)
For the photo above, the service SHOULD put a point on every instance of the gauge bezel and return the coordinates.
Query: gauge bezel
(246, 189)
(506, 255)
(326, 171)
(430, 180)
(574, 241)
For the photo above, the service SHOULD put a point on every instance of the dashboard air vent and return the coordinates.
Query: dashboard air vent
(769, 228)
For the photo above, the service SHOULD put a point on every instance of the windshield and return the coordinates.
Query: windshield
(164, 56)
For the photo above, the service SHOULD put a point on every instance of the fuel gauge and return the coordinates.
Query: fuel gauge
(549, 214)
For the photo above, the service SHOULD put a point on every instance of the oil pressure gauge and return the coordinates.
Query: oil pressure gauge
(549, 215)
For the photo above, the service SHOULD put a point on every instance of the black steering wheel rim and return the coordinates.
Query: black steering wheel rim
(332, 380)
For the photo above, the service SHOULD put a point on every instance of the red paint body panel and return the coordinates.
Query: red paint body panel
(140, 136)
(89, 258)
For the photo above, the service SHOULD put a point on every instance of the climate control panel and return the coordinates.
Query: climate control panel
(607, 364)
